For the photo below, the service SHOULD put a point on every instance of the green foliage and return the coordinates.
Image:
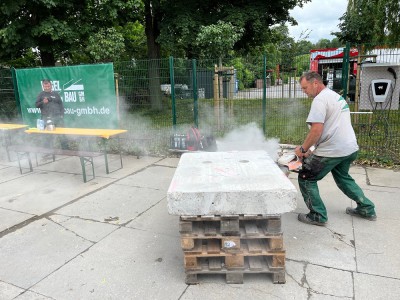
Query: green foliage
(370, 21)
(216, 39)
(183, 20)
(106, 45)
(59, 29)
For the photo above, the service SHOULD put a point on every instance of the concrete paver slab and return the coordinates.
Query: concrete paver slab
(43, 191)
(128, 264)
(75, 248)
(32, 296)
(376, 244)
(157, 220)
(319, 245)
(169, 162)
(88, 229)
(381, 177)
(25, 257)
(9, 291)
(116, 204)
(371, 287)
(156, 177)
(9, 218)
(329, 281)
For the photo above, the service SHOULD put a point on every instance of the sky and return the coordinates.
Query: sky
(319, 16)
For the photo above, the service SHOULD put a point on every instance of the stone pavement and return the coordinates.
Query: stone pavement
(112, 238)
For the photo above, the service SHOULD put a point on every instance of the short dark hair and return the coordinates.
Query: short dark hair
(46, 81)
(311, 76)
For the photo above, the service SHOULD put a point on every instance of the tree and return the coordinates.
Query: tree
(217, 39)
(57, 28)
(368, 21)
(106, 45)
(182, 20)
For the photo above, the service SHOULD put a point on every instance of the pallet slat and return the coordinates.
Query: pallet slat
(232, 245)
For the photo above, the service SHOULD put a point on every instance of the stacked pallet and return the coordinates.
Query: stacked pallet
(232, 245)
(229, 206)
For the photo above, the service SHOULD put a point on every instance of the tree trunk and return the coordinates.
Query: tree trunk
(153, 52)
(47, 59)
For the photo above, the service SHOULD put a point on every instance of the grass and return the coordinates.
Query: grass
(378, 138)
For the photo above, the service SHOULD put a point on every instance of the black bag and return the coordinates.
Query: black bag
(311, 167)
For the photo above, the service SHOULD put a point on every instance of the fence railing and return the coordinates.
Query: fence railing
(159, 97)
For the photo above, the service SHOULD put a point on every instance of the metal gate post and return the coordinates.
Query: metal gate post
(264, 99)
(195, 96)
(172, 80)
(345, 70)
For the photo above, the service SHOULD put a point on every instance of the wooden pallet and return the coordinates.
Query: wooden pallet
(251, 265)
(250, 225)
(232, 245)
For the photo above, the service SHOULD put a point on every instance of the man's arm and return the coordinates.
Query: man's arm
(39, 101)
(312, 137)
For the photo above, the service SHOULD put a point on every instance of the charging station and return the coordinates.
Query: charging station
(380, 86)
(380, 90)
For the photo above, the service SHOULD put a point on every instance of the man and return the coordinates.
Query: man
(333, 137)
(50, 104)
(52, 108)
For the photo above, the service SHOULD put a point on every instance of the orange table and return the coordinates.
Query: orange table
(6, 129)
(104, 134)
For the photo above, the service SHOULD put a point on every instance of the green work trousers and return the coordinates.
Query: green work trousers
(315, 168)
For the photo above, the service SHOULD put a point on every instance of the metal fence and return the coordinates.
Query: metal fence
(159, 97)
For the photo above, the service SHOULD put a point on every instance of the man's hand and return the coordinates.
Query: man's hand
(298, 152)
(45, 100)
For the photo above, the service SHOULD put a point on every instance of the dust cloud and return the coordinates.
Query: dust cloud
(249, 138)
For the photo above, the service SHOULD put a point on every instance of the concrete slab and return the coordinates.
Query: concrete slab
(32, 296)
(376, 244)
(320, 245)
(330, 246)
(9, 218)
(329, 281)
(380, 177)
(169, 162)
(116, 204)
(9, 291)
(25, 257)
(133, 265)
(156, 219)
(8, 173)
(75, 248)
(88, 229)
(371, 287)
(42, 191)
(223, 183)
(258, 287)
(155, 176)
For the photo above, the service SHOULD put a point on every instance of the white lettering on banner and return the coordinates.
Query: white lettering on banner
(55, 85)
(81, 96)
(69, 96)
(89, 110)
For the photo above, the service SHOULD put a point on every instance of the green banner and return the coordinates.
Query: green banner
(87, 92)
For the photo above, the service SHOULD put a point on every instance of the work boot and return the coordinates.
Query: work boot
(306, 219)
(354, 212)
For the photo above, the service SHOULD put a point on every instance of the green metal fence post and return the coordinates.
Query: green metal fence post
(264, 99)
(172, 80)
(15, 85)
(195, 96)
(345, 69)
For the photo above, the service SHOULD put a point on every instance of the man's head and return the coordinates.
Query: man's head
(46, 84)
(311, 83)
